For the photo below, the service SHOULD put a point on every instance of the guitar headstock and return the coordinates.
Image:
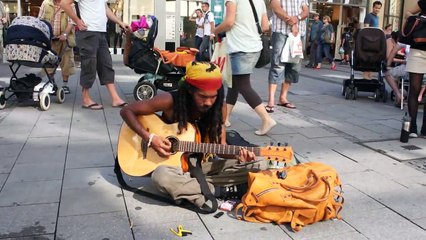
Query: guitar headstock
(277, 153)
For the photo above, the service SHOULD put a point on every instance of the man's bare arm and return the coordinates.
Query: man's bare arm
(281, 13)
(111, 16)
(66, 5)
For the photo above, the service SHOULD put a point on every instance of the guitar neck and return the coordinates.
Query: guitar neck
(187, 146)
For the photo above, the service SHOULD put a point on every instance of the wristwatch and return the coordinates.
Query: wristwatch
(64, 34)
(299, 17)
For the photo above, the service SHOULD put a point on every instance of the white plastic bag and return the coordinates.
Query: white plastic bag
(293, 49)
(221, 58)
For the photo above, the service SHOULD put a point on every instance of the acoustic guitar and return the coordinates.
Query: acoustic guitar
(136, 159)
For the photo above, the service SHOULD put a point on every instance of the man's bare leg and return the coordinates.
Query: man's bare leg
(115, 98)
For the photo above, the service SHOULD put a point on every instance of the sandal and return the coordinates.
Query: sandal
(66, 89)
(269, 109)
(287, 105)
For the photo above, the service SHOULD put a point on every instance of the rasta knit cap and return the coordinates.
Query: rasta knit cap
(203, 75)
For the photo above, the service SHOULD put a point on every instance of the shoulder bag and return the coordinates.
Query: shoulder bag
(413, 32)
(328, 35)
(300, 195)
(265, 54)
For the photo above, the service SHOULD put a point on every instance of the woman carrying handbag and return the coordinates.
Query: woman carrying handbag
(244, 46)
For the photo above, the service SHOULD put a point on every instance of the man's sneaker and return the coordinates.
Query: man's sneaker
(413, 130)
(413, 135)
(66, 89)
(233, 192)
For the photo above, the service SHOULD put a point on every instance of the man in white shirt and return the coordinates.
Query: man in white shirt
(205, 52)
(92, 43)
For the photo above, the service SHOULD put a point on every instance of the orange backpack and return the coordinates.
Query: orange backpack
(299, 195)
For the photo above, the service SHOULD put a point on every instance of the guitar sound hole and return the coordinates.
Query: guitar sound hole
(175, 144)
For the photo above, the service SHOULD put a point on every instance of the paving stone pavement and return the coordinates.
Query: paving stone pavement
(57, 179)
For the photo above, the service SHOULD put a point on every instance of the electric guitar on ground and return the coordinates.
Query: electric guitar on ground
(136, 159)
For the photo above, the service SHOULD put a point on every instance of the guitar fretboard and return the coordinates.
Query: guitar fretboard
(186, 146)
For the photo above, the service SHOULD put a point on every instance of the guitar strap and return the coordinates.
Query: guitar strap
(195, 171)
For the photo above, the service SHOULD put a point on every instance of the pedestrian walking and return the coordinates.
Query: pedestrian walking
(416, 61)
(314, 38)
(244, 46)
(324, 47)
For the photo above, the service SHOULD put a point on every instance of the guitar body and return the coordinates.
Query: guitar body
(134, 160)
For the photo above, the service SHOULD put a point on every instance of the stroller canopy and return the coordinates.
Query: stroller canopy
(30, 30)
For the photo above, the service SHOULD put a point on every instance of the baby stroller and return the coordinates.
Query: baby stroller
(28, 43)
(369, 55)
(161, 69)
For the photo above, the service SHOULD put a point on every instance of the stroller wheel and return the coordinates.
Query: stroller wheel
(60, 95)
(2, 100)
(44, 101)
(144, 90)
(377, 95)
(347, 93)
(385, 96)
(355, 93)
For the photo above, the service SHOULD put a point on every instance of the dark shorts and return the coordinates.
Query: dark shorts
(347, 49)
(95, 58)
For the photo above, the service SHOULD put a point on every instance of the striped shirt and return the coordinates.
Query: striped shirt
(293, 8)
(56, 21)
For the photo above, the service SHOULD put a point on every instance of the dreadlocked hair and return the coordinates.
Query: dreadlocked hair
(213, 119)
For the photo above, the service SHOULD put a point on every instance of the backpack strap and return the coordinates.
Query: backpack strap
(77, 9)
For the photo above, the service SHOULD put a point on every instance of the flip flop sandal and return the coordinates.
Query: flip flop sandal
(269, 109)
(287, 105)
(93, 106)
(121, 105)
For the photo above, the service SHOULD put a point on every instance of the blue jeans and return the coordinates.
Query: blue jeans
(324, 48)
(281, 71)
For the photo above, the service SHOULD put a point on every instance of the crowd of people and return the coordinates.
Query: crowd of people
(201, 95)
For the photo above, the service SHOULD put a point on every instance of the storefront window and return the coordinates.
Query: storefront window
(393, 13)
(140, 7)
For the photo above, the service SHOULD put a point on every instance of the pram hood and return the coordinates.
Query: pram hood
(30, 30)
(370, 49)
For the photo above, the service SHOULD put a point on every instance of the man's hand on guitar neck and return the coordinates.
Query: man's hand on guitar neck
(246, 155)
(161, 145)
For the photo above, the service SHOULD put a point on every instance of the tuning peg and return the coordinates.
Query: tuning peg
(271, 144)
(286, 144)
(278, 144)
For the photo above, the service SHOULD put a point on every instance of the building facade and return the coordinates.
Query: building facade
(175, 29)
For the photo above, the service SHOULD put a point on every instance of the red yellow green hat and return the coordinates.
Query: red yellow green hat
(203, 75)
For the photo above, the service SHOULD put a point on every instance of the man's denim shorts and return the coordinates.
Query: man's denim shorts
(243, 63)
